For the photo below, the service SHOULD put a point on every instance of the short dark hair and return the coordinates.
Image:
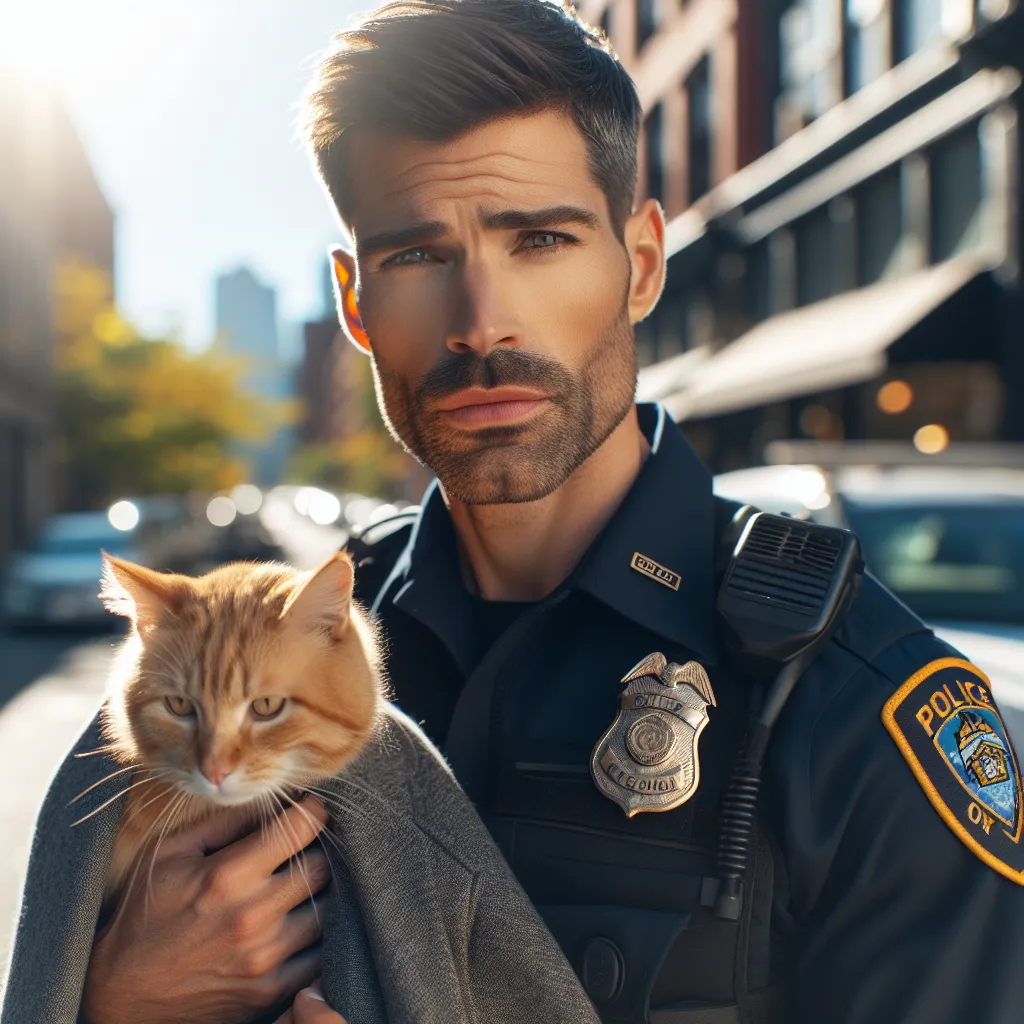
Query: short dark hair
(434, 70)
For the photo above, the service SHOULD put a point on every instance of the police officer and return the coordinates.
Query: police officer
(482, 154)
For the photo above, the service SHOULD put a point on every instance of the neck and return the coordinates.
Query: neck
(522, 552)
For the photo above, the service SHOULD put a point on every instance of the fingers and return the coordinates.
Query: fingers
(310, 1007)
(285, 1018)
(304, 878)
(296, 972)
(299, 929)
(213, 833)
(259, 854)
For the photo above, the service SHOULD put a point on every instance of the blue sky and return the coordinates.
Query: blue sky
(187, 111)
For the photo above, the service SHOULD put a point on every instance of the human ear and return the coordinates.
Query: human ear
(645, 243)
(344, 266)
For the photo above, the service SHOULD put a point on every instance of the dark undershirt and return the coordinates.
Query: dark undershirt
(490, 620)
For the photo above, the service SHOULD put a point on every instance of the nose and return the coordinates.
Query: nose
(485, 315)
(216, 769)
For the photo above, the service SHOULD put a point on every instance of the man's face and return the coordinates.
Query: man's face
(494, 293)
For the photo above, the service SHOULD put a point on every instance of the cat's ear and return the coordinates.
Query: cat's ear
(138, 593)
(322, 600)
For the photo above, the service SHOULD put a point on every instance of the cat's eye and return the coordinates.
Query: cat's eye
(177, 705)
(267, 707)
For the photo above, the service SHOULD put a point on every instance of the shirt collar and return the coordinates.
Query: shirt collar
(665, 521)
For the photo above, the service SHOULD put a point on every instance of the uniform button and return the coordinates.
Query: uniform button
(603, 970)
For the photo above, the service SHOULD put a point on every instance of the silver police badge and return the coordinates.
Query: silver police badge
(647, 760)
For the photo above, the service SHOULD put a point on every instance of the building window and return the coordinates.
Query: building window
(867, 43)
(956, 199)
(646, 21)
(814, 277)
(700, 148)
(916, 24)
(654, 153)
(879, 227)
(811, 62)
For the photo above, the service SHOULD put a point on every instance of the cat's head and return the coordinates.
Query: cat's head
(247, 681)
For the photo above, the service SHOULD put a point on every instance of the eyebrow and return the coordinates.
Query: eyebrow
(522, 220)
(527, 220)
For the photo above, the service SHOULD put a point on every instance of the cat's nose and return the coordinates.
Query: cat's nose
(216, 771)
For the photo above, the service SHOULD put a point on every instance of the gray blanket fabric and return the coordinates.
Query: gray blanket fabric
(425, 925)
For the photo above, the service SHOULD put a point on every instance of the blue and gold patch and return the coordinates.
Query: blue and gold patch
(946, 724)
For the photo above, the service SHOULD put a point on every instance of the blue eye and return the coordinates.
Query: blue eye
(409, 258)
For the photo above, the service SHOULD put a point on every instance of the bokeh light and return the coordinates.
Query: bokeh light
(931, 439)
(895, 397)
(247, 498)
(822, 424)
(324, 508)
(123, 515)
(221, 510)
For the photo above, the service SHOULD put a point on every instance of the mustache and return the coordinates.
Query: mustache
(501, 368)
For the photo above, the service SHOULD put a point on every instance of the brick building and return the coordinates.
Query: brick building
(51, 208)
(862, 224)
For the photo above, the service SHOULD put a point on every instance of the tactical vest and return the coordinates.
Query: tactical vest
(625, 898)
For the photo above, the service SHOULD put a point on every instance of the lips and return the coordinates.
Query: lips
(490, 406)
(487, 396)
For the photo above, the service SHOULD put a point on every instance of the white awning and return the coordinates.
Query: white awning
(827, 345)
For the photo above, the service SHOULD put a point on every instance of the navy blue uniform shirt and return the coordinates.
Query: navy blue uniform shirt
(887, 801)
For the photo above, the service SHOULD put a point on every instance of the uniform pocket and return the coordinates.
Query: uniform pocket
(616, 952)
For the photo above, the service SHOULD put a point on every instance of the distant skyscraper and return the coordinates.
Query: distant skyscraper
(246, 316)
(246, 313)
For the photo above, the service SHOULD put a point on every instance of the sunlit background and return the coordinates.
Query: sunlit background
(187, 114)
(841, 334)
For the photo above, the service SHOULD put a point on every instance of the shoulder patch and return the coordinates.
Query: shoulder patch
(946, 724)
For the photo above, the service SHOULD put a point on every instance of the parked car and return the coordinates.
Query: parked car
(947, 537)
(55, 581)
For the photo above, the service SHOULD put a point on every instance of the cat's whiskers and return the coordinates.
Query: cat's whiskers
(140, 857)
(322, 832)
(106, 778)
(137, 811)
(176, 807)
(283, 821)
(347, 806)
(346, 780)
(116, 796)
(99, 750)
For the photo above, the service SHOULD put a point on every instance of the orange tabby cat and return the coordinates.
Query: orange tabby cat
(242, 686)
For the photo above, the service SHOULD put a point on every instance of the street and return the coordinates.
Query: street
(51, 686)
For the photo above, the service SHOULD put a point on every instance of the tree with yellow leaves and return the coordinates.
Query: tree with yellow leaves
(144, 416)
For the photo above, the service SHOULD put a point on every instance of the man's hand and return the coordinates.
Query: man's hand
(218, 938)
(310, 1008)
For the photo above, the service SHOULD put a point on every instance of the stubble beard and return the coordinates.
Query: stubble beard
(506, 465)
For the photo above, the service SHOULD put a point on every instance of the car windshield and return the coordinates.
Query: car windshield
(85, 536)
(955, 561)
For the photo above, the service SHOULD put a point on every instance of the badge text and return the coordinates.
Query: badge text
(637, 783)
(657, 572)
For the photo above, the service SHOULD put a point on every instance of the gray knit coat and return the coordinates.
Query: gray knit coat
(425, 925)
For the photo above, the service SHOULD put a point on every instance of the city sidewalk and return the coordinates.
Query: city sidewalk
(37, 728)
